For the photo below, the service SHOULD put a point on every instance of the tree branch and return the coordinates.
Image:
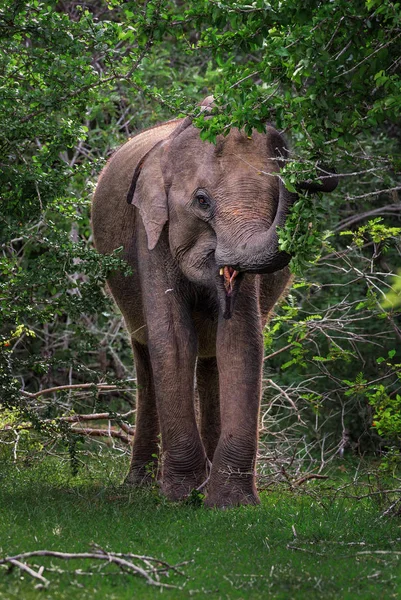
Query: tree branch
(119, 559)
(389, 208)
(76, 386)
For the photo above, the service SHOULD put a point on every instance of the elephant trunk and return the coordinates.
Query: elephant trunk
(261, 254)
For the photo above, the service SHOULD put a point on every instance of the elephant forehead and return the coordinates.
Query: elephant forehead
(235, 158)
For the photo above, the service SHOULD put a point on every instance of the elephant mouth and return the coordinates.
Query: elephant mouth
(228, 274)
(230, 280)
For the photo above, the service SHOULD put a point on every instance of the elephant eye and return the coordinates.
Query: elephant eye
(202, 200)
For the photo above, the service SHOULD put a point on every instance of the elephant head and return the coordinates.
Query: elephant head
(223, 204)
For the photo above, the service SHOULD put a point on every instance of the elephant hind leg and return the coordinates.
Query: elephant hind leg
(145, 448)
(209, 404)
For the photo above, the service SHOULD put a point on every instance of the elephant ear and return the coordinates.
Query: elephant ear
(147, 192)
(148, 188)
(277, 145)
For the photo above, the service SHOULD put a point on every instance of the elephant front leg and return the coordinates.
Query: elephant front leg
(240, 360)
(183, 456)
(172, 348)
(172, 344)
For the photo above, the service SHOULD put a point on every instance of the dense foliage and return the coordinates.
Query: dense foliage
(78, 78)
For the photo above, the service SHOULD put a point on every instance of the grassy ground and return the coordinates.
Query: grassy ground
(249, 552)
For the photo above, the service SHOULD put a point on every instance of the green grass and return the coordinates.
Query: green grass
(239, 553)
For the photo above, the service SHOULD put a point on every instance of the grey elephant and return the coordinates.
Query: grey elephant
(199, 230)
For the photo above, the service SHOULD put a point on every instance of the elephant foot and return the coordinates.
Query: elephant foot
(229, 490)
(138, 480)
(184, 469)
(176, 489)
(231, 498)
(232, 479)
(232, 492)
(142, 475)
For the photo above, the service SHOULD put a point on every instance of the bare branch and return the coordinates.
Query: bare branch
(291, 402)
(84, 431)
(102, 433)
(77, 386)
(308, 477)
(149, 573)
(283, 349)
(92, 417)
(392, 209)
(31, 572)
(376, 193)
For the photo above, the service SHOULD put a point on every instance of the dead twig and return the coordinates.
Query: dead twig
(391, 508)
(93, 417)
(283, 349)
(124, 561)
(35, 574)
(393, 209)
(89, 431)
(101, 433)
(76, 386)
(308, 477)
(379, 552)
(286, 396)
(84, 431)
(290, 547)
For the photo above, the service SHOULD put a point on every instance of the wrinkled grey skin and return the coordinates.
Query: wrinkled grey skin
(196, 208)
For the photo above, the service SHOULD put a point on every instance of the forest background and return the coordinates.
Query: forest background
(79, 78)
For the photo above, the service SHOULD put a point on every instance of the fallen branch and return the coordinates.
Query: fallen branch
(377, 493)
(92, 417)
(35, 574)
(102, 387)
(94, 432)
(150, 571)
(308, 477)
(391, 508)
(379, 552)
(290, 547)
(89, 431)
(101, 433)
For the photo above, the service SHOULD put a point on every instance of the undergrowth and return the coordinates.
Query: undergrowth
(316, 540)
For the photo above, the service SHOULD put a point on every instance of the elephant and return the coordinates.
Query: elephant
(198, 225)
